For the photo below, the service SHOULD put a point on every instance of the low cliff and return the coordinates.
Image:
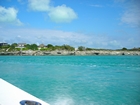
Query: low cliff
(93, 52)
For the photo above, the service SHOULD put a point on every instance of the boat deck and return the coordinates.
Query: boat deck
(12, 95)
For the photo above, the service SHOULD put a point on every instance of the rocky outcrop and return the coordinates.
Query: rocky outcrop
(93, 52)
(108, 52)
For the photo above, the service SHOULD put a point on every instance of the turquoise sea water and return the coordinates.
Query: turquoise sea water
(76, 80)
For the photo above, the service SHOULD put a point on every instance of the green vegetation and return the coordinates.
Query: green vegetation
(124, 48)
(81, 48)
(50, 47)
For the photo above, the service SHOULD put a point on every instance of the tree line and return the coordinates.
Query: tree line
(50, 47)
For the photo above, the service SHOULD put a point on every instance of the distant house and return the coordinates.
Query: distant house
(21, 44)
(3, 44)
(41, 45)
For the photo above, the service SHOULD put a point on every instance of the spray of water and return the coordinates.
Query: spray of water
(63, 100)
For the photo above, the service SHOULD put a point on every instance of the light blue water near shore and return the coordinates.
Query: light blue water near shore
(76, 80)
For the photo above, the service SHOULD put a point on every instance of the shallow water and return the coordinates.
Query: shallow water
(76, 80)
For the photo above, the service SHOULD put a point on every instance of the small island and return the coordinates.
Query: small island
(24, 49)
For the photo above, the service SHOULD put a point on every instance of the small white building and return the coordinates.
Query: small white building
(21, 45)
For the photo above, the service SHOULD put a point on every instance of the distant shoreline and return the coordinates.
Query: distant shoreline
(64, 52)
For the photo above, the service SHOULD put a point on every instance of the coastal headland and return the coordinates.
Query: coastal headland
(63, 52)
(17, 49)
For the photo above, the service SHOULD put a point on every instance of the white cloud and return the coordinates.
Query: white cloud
(57, 37)
(43, 36)
(9, 15)
(62, 14)
(39, 5)
(58, 14)
(132, 15)
(115, 43)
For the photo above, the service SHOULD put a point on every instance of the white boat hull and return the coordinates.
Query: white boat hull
(12, 95)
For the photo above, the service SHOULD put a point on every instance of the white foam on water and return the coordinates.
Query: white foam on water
(61, 100)
(64, 100)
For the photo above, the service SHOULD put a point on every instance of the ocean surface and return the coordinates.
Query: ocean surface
(76, 80)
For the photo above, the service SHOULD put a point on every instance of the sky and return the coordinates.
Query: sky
(109, 24)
